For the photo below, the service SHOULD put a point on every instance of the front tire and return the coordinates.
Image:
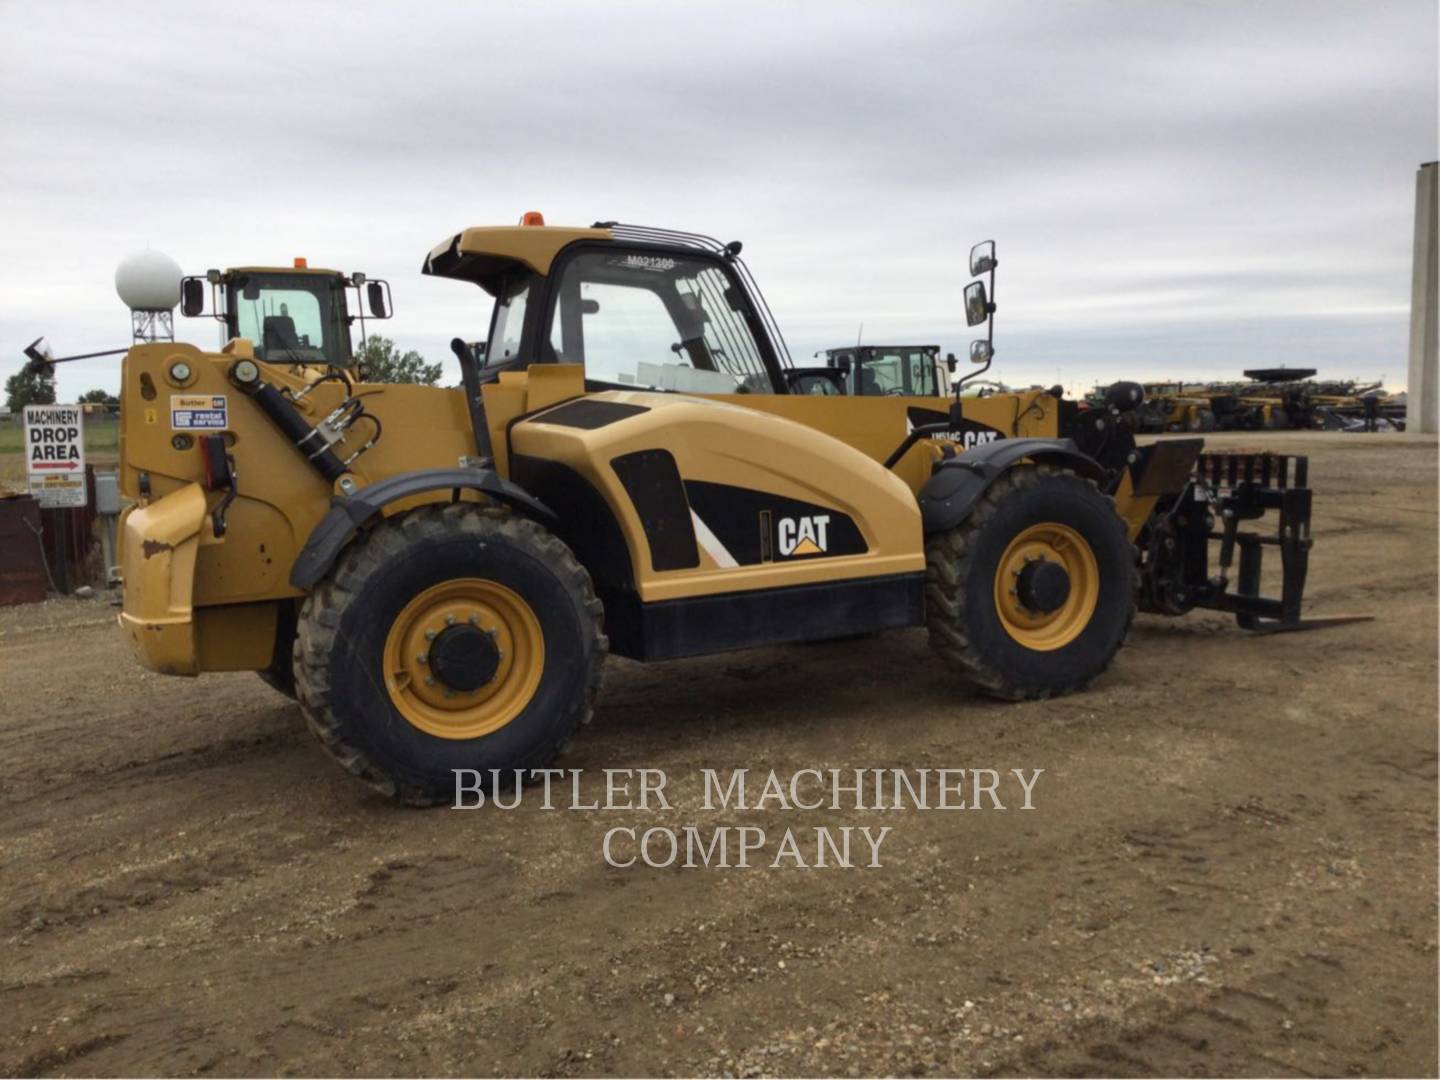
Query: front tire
(981, 585)
(456, 637)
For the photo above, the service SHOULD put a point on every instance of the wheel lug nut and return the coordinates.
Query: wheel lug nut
(449, 620)
(429, 635)
(429, 680)
(474, 620)
(423, 658)
(490, 631)
(449, 693)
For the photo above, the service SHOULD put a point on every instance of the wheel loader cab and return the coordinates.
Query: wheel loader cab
(292, 315)
(894, 370)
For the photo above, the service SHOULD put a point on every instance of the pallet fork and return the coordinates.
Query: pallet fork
(1228, 489)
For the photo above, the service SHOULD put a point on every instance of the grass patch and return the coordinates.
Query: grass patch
(101, 434)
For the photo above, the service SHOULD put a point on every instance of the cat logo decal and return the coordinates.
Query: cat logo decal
(799, 536)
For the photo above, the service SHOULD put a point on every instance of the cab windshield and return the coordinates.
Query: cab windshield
(291, 318)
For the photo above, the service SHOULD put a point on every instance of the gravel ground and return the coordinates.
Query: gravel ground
(1230, 867)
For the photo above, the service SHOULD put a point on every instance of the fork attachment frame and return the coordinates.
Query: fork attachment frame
(1227, 490)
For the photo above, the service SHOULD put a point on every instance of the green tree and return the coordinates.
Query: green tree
(380, 361)
(33, 384)
(98, 397)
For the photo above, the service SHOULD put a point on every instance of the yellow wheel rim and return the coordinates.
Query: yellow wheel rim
(1044, 631)
(460, 608)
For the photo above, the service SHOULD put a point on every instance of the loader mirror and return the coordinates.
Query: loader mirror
(977, 304)
(378, 299)
(982, 258)
(589, 307)
(192, 297)
(981, 351)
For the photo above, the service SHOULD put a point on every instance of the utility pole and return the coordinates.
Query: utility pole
(1422, 405)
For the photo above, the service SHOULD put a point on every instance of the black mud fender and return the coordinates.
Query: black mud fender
(957, 483)
(347, 515)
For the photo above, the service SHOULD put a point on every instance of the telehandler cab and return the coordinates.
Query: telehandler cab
(625, 469)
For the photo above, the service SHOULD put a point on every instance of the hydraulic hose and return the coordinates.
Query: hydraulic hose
(246, 375)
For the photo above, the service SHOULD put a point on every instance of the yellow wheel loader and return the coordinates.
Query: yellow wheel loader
(440, 573)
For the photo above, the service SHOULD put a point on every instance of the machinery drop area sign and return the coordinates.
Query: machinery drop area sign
(55, 454)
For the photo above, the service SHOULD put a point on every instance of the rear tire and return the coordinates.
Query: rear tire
(974, 622)
(388, 712)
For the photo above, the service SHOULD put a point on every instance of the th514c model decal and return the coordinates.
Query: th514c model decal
(969, 433)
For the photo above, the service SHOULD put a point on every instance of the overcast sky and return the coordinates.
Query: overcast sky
(1176, 189)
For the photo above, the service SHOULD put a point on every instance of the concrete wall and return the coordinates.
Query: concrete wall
(1423, 407)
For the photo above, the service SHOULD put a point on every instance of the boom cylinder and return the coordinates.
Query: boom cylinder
(287, 418)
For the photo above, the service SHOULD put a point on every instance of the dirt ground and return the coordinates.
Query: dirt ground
(1230, 867)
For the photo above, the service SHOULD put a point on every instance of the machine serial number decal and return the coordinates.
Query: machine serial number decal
(645, 262)
(198, 412)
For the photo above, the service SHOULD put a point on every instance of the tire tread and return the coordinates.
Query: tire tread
(320, 617)
(947, 566)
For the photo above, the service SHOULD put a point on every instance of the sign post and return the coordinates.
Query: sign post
(55, 455)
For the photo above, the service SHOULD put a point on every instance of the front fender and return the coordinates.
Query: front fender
(347, 515)
(957, 483)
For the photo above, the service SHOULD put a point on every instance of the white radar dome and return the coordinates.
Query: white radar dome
(148, 281)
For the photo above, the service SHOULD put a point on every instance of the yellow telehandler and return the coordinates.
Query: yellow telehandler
(438, 574)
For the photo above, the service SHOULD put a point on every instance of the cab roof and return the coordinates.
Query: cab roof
(481, 252)
(283, 270)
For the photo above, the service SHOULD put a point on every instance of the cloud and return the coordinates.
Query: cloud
(1170, 185)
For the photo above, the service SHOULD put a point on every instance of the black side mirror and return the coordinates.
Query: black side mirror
(192, 296)
(982, 258)
(950, 362)
(977, 304)
(589, 307)
(377, 298)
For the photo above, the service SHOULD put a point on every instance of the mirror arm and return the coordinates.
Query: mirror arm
(973, 375)
(360, 307)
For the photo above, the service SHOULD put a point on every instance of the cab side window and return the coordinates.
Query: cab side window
(657, 322)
